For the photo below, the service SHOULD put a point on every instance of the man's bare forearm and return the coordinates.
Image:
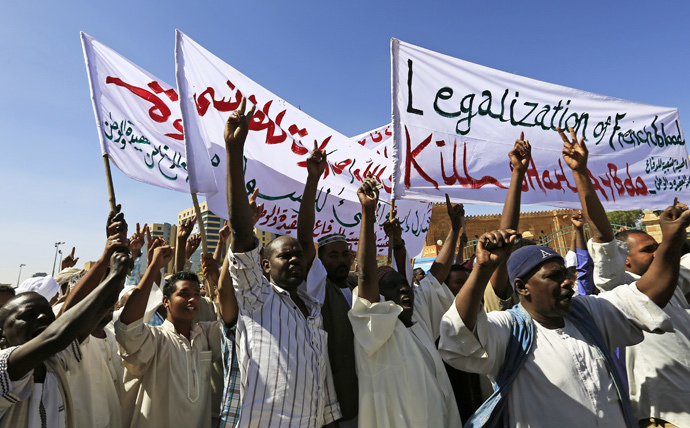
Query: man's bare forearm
(366, 254)
(238, 206)
(306, 219)
(599, 223)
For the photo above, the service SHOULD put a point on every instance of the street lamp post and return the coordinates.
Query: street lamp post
(20, 273)
(57, 244)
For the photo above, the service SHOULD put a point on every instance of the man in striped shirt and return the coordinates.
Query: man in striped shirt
(285, 373)
(330, 283)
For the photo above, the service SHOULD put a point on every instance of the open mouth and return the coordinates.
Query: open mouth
(406, 302)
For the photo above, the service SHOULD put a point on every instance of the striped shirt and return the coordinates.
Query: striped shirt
(283, 358)
(230, 406)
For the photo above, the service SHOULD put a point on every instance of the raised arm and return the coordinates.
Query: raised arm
(240, 214)
(585, 265)
(183, 232)
(470, 295)
(192, 244)
(441, 266)
(69, 261)
(316, 164)
(223, 235)
(460, 258)
(135, 308)
(209, 268)
(575, 155)
(151, 245)
(116, 230)
(578, 222)
(77, 322)
(227, 302)
(136, 241)
(368, 283)
(661, 279)
(392, 229)
(510, 218)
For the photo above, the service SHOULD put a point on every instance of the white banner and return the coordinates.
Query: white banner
(455, 122)
(279, 142)
(138, 118)
(379, 139)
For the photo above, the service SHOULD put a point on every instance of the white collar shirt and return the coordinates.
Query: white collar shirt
(167, 377)
(402, 379)
(286, 378)
(658, 367)
(565, 381)
(96, 384)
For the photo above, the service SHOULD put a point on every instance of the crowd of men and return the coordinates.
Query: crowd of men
(287, 336)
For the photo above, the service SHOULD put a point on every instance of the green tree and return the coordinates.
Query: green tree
(626, 218)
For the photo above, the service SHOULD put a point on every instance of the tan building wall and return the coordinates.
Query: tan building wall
(212, 224)
(533, 225)
(264, 237)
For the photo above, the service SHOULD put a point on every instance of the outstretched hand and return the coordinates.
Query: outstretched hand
(116, 227)
(69, 261)
(115, 242)
(209, 267)
(192, 244)
(368, 193)
(521, 154)
(121, 264)
(237, 125)
(257, 209)
(393, 230)
(151, 245)
(223, 233)
(577, 219)
(185, 228)
(113, 217)
(673, 221)
(501, 242)
(162, 256)
(316, 162)
(456, 214)
(575, 152)
(136, 241)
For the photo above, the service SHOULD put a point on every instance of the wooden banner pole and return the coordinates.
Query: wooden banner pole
(109, 182)
(202, 230)
(389, 261)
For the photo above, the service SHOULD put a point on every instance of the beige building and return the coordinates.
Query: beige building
(542, 226)
(167, 232)
(212, 224)
(551, 227)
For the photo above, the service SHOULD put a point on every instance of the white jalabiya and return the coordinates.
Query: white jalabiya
(402, 380)
(96, 384)
(565, 382)
(167, 376)
(28, 404)
(658, 367)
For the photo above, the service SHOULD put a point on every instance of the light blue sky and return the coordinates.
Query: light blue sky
(330, 58)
